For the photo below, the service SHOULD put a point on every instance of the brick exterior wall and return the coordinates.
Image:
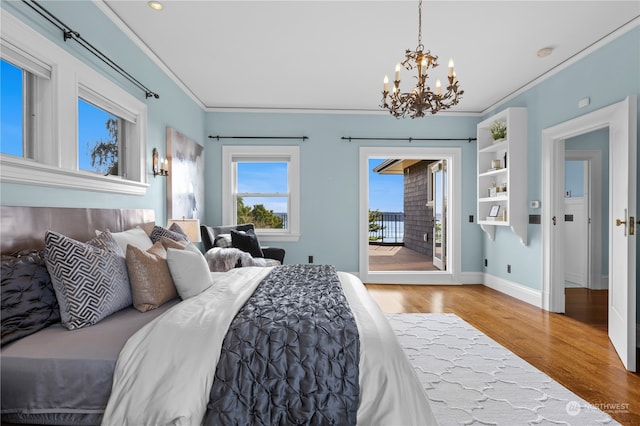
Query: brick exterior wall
(418, 218)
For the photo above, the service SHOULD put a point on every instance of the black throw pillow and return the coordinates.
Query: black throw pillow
(246, 241)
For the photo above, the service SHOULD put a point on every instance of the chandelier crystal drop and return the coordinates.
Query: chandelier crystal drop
(421, 100)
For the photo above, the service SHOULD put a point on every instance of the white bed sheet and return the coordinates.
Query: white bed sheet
(165, 371)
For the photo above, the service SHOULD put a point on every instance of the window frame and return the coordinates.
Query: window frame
(54, 159)
(232, 154)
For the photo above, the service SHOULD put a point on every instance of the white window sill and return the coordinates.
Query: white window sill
(280, 237)
(29, 172)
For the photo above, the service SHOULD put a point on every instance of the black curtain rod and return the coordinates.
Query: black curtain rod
(68, 33)
(303, 138)
(349, 138)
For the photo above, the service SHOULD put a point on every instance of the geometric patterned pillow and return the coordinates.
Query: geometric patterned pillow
(90, 279)
(159, 232)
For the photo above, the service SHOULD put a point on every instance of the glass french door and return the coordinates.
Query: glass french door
(439, 182)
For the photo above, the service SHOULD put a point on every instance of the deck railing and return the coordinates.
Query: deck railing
(390, 228)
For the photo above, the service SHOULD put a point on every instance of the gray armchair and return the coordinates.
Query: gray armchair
(209, 235)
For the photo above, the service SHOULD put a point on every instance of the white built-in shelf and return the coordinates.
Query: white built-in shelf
(512, 173)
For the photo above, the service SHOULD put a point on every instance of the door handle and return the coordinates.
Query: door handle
(623, 223)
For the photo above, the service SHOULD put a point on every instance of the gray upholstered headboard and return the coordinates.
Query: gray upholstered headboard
(24, 227)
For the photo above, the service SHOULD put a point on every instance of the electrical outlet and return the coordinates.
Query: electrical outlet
(509, 269)
(310, 259)
(470, 218)
(486, 263)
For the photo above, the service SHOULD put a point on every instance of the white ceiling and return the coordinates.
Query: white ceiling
(333, 55)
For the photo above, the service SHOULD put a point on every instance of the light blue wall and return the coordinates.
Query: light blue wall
(606, 76)
(174, 108)
(330, 176)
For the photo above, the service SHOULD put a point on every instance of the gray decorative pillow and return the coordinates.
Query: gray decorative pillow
(159, 232)
(178, 230)
(90, 279)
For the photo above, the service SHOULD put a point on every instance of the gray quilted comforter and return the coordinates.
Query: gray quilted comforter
(291, 354)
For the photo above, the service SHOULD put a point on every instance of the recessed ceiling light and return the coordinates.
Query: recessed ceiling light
(545, 51)
(155, 5)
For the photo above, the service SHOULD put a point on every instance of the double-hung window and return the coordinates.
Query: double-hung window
(261, 186)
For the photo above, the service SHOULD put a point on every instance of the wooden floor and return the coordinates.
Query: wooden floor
(576, 354)
(596, 300)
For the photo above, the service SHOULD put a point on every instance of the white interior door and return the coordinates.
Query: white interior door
(622, 240)
(576, 223)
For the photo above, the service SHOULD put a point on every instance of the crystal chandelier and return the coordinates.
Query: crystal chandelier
(421, 99)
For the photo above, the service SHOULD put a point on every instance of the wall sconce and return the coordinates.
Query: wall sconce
(191, 227)
(160, 166)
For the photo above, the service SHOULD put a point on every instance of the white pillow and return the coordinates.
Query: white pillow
(135, 236)
(190, 272)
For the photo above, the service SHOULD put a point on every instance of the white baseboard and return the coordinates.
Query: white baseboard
(471, 277)
(602, 284)
(576, 278)
(513, 289)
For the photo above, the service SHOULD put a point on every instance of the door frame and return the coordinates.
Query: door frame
(454, 216)
(553, 143)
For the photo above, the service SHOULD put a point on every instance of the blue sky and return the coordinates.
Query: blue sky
(11, 107)
(385, 191)
(93, 128)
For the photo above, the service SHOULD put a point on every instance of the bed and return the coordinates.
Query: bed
(183, 362)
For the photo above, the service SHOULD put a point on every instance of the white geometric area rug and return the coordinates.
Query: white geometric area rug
(472, 380)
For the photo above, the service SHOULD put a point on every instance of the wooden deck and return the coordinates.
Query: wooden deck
(398, 258)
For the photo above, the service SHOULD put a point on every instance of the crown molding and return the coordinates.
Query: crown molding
(110, 14)
(113, 17)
